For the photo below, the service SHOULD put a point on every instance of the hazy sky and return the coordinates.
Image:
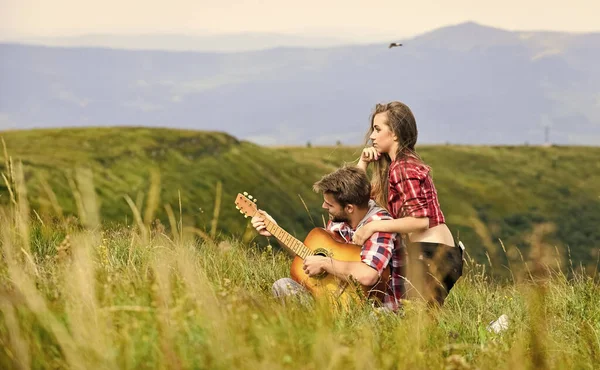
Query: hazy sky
(345, 18)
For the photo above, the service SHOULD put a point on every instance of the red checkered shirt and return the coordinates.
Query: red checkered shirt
(411, 192)
(378, 251)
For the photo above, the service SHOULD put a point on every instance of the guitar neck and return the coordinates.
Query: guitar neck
(292, 244)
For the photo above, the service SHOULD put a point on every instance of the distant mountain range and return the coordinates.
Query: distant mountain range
(467, 84)
(234, 42)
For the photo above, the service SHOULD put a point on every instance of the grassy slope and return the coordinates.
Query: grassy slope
(190, 163)
(486, 192)
(122, 298)
(105, 300)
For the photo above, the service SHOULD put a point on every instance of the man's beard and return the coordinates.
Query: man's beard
(342, 217)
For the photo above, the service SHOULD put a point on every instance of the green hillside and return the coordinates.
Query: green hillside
(486, 192)
(190, 164)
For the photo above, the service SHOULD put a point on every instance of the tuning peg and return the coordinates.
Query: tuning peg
(255, 200)
(245, 216)
(246, 193)
(236, 207)
(249, 196)
(242, 212)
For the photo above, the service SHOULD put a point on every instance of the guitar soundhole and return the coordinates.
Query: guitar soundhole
(324, 253)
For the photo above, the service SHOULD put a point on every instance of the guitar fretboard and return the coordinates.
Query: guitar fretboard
(288, 240)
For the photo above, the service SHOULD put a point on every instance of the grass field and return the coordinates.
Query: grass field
(95, 299)
(79, 294)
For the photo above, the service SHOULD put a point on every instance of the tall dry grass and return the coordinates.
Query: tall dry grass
(76, 295)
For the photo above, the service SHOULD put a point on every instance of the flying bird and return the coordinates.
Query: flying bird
(394, 44)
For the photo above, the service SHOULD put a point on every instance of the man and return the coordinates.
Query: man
(346, 197)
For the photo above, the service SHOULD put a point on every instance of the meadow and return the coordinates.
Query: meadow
(78, 290)
(489, 194)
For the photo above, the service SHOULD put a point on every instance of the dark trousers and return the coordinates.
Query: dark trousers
(432, 270)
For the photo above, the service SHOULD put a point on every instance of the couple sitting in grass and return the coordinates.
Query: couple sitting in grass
(395, 218)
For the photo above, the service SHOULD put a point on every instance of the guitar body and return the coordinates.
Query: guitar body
(324, 243)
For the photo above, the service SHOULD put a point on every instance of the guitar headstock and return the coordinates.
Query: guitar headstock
(246, 204)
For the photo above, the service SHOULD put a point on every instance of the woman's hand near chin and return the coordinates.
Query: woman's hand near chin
(368, 155)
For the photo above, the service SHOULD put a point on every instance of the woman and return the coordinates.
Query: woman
(402, 183)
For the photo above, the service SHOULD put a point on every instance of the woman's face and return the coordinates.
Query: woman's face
(382, 136)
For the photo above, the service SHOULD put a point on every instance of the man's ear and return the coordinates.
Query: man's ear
(349, 208)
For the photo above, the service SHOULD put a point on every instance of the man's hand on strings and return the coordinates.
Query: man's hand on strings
(258, 222)
(315, 265)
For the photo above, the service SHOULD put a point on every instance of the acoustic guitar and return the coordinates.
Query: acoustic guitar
(319, 242)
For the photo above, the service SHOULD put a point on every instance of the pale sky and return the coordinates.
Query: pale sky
(345, 18)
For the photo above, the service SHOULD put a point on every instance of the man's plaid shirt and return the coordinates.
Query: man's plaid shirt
(379, 251)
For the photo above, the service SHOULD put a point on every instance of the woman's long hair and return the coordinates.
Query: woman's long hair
(402, 122)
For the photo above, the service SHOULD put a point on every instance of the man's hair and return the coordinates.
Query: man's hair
(348, 185)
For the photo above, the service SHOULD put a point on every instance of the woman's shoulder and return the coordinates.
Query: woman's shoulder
(409, 168)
